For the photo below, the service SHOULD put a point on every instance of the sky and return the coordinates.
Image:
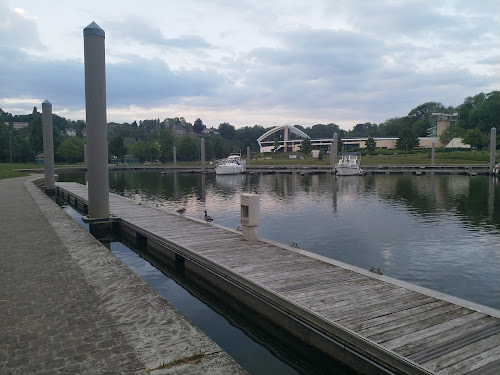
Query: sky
(270, 63)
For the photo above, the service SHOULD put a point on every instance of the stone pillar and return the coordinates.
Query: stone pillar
(493, 148)
(248, 156)
(95, 106)
(285, 139)
(433, 155)
(250, 210)
(175, 157)
(48, 146)
(203, 155)
(334, 150)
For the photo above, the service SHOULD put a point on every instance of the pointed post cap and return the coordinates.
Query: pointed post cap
(46, 104)
(93, 29)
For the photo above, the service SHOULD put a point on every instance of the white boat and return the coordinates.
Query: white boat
(349, 164)
(230, 165)
(496, 169)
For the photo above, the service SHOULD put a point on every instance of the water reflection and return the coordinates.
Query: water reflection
(441, 232)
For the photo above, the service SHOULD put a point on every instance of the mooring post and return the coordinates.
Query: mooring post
(250, 211)
(202, 151)
(48, 146)
(334, 151)
(433, 155)
(248, 156)
(95, 106)
(175, 157)
(493, 148)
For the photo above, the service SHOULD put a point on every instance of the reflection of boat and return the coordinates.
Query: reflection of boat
(349, 164)
(496, 169)
(231, 182)
(231, 165)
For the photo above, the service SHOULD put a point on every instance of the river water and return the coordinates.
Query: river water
(439, 232)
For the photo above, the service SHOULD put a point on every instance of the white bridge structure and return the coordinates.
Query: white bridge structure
(292, 143)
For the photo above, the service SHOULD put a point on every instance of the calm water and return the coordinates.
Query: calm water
(440, 232)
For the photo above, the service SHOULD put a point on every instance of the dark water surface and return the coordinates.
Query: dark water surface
(440, 232)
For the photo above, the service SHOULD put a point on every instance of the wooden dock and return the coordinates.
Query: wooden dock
(371, 322)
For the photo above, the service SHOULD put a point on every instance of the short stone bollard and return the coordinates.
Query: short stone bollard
(250, 211)
(137, 199)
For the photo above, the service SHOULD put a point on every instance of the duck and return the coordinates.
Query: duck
(208, 219)
(181, 210)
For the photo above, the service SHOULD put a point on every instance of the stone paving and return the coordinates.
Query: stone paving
(68, 306)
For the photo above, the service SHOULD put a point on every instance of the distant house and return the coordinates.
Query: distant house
(178, 130)
(69, 132)
(18, 125)
(213, 131)
(84, 132)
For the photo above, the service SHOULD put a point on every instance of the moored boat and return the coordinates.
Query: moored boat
(349, 164)
(231, 165)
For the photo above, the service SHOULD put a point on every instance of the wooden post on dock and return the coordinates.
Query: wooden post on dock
(175, 157)
(203, 155)
(248, 156)
(48, 146)
(95, 106)
(493, 149)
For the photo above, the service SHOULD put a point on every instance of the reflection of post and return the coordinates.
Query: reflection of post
(493, 149)
(48, 146)
(175, 184)
(335, 188)
(175, 157)
(95, 105)
(203, 155)
(248, 156)
(203, 177)
(491, 199)
(250, 211)
(433, 155)
(334, 151)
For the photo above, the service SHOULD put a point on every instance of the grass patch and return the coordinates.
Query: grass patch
(9, 171)
(191, 359)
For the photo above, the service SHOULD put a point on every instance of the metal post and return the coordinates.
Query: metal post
(203, 155)
(175, 157)
(433, 155)
(48, 146)
(334, 151)
(248, 156)
(10, 147)
(95, 105)
(493, 148)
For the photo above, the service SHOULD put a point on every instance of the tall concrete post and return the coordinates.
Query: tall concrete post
(48, 146)
(493, 148)
(175, 157)
(202, 155)
(433, 154)
(95, 106)
(334, 151)
(248, 156)
(250, 211)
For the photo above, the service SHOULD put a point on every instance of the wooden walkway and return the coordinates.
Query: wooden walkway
(405, 328)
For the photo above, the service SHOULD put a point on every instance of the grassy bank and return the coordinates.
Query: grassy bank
(10, 170)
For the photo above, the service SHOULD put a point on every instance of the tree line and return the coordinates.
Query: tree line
(153, 139)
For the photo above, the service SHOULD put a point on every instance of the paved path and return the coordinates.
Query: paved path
(68, 306)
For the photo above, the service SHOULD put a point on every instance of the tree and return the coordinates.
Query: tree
(226, 130)
(36, 135)
(371, 144)
(407, 140)
(475, 138)
(198, 126)
(188, 148)
(117, 147)
(71, 150)
(276, 145)
(306, 146)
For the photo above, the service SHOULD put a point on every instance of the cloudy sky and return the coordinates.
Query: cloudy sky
(252, 62)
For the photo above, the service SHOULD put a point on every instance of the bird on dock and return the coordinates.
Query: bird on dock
(181, 210)
(208, 219)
